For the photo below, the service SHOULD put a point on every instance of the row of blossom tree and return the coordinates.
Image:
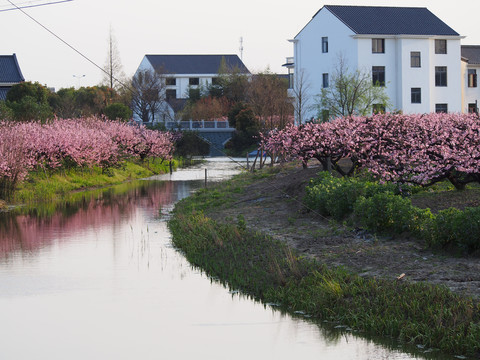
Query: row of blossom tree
(416, 149)
(85, 142)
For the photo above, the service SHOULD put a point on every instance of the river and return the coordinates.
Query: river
(98, 278)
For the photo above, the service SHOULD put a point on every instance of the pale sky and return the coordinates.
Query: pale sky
(176, 27)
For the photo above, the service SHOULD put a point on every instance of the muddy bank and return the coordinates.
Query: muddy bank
(273, 206)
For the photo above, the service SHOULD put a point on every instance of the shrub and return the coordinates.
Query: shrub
(318, 193)
(336, 197)
(469, 230)
(191, 144)
(453, 227)
(118, 111)
(385, 212)
(380, 208)
(5, 112)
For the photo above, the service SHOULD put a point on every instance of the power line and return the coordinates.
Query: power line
(63, 41)
(121, 83)
(32, 6)
(58, 37)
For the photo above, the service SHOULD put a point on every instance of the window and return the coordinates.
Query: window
(440, 76)
(378, 108)
(170, 81)
(325, 80)
(472, 108)
(378, 46)
(378, 75)
(171, 94)
(416, 95)
(194, 81)
(291, 73)
(440, 46)
(290, 80)
(216, 81)
(325, 44)
(472, 78)
(441, 108)
(415, 59)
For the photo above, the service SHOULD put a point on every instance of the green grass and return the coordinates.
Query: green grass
(268, 270)
(43, 186)
(223, 194)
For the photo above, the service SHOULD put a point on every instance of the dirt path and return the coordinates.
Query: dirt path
(273, 206)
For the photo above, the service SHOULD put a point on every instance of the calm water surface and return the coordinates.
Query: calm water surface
(99, 279)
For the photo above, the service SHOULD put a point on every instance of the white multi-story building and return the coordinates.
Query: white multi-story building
(410, 51)
(184, 72)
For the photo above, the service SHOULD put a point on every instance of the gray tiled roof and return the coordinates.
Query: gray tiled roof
(177, 104)
(9, 70)
(3, 93)
(471, 53)
(379, 20)
(194, 64)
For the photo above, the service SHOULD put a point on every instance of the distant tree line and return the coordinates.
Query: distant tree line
(28, 101)
(252, 103)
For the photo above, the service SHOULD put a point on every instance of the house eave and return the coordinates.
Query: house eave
(408, 36)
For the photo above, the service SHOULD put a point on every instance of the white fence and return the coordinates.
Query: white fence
(200, 125)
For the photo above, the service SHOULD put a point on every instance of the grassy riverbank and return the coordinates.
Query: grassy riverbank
(54, 185)
(419, 313)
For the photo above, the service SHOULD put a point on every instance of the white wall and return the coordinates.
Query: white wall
(367, 59)
(412, 77)
(182, 80)
(308, 51)
(144, 65)
(165, 113)
(452, 93)
(182, 85)
(400, 77)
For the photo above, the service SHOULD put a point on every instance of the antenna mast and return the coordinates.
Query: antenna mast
(241, 48)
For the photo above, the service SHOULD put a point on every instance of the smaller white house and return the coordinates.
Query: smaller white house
(470, 69)
(184, 72)
(408, 50)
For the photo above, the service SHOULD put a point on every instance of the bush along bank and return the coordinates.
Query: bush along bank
(270, 271)
(384, 208)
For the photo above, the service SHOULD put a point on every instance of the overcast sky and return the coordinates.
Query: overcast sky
(175, 27)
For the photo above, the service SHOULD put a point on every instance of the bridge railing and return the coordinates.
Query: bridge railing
(199, 125)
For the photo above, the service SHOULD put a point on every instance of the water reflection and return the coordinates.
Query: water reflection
(30, 229)
(97, 278)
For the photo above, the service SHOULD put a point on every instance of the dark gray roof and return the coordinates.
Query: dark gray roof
(177, 104)
(379, 20)
(471, 53)
(194, 64)
(3, 93)
(9, 70)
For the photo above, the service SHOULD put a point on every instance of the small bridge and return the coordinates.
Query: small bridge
(215, 132)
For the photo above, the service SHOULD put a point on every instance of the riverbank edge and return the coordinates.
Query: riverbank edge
(421, 314)
(42, 186)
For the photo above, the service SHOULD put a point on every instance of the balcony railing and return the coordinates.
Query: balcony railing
(199, 125)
